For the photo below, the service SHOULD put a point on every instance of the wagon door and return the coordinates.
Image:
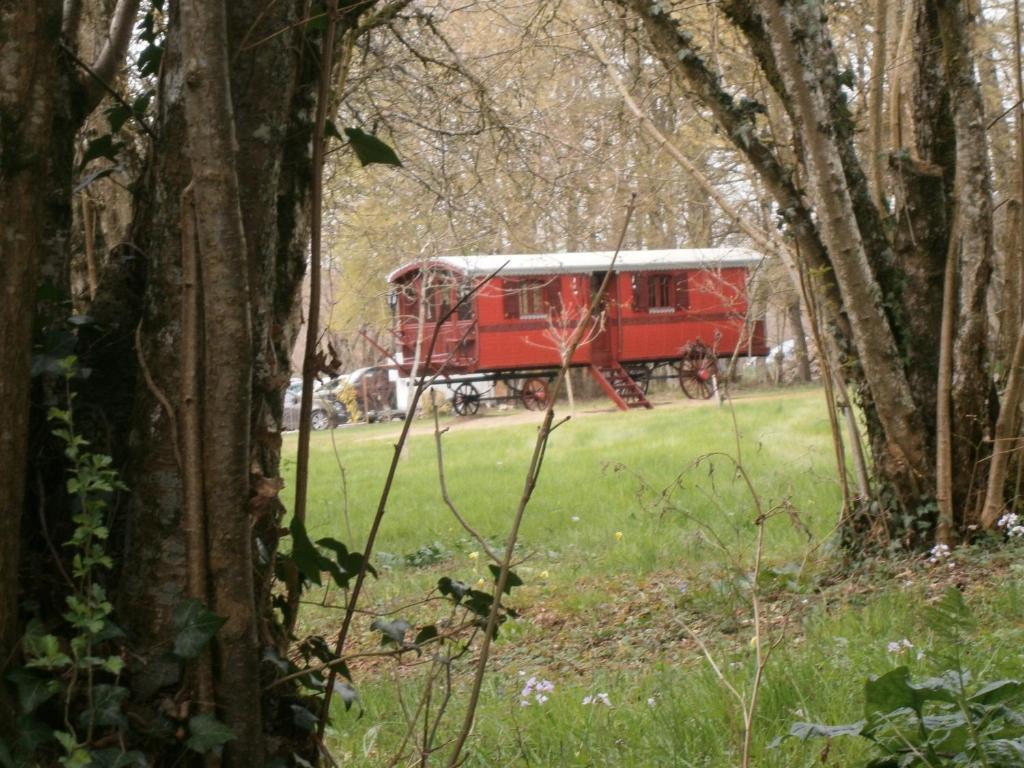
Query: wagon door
(456, 340)
(603, 346)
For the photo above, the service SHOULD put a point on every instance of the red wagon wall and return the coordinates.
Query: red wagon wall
(649, 316)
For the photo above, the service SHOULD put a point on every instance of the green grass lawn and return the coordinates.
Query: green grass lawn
(605, 613)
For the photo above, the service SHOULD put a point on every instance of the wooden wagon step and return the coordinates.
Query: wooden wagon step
(620, 386)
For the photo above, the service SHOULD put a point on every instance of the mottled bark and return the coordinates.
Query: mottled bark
(923, 183)
(804, 55)
(227, 348)
(803, 359)
(154, 575)
(876, 101)
(28, 73)
(973, 205)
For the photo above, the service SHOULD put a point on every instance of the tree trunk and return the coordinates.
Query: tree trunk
(28, 55)
(803, 55)
(220, 239)
(803, 359)
(973, 205)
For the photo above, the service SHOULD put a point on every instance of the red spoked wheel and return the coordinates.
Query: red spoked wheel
(697, 370)
(534, 394)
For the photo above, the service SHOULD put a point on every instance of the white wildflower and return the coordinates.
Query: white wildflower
(1008, 520)
(597, 698)
(938, 553)
(535, 690)
(899, 646)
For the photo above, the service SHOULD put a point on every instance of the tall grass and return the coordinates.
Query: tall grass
(600, 611)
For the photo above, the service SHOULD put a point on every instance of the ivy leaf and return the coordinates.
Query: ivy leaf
(426, 634)
(513, 579)
(303, 718)
(117, 116)
(304, 554)
(194, 627)
(206, 733)
(106, 707)
(101, 146)
(369, 149)
(346, 693)
(141, 104)
(331, 131)
(451, 588)
(348, 564)
(33, 689)
(149, 60)
(479, 602)
(392, 631)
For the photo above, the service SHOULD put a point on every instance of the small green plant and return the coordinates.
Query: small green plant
(71, 686)
(83, 668)
(943, 720)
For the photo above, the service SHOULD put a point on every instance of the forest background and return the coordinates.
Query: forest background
(167, 169)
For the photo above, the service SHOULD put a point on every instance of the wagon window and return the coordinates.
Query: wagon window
(660, 292)
(530, 298)
(466, 307)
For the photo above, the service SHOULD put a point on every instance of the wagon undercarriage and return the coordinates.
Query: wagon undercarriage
(627, 385)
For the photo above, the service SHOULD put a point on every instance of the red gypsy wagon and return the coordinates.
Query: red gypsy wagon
(673, 311)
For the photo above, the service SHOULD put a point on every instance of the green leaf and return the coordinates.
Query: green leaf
(369, 149)
(117, 116)
(426, 634)
(392, 631)
(889, 692)
(479, 602)
(206, 733)
(513, 579)
(141, 104)
(33, 689)
(451, 588)
(331, 131)
(304, 554)
(6, 761)
(303, 718)
(346, 693)
(804, 731)
(340, 550)
(106, 707)
(997, 692)
(101, 146)
(149, 60)
(194, 627)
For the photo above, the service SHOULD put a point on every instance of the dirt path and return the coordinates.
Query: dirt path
(495, 417)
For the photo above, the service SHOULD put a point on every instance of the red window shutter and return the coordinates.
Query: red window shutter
(641, 298)
(553, 294)
(510, 297)
(682, 286)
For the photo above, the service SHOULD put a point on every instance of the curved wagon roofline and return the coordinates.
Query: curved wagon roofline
(594, 261)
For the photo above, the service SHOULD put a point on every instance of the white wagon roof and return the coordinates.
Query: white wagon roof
(594, 261)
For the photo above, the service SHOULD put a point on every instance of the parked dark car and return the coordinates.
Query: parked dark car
(327, 411)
